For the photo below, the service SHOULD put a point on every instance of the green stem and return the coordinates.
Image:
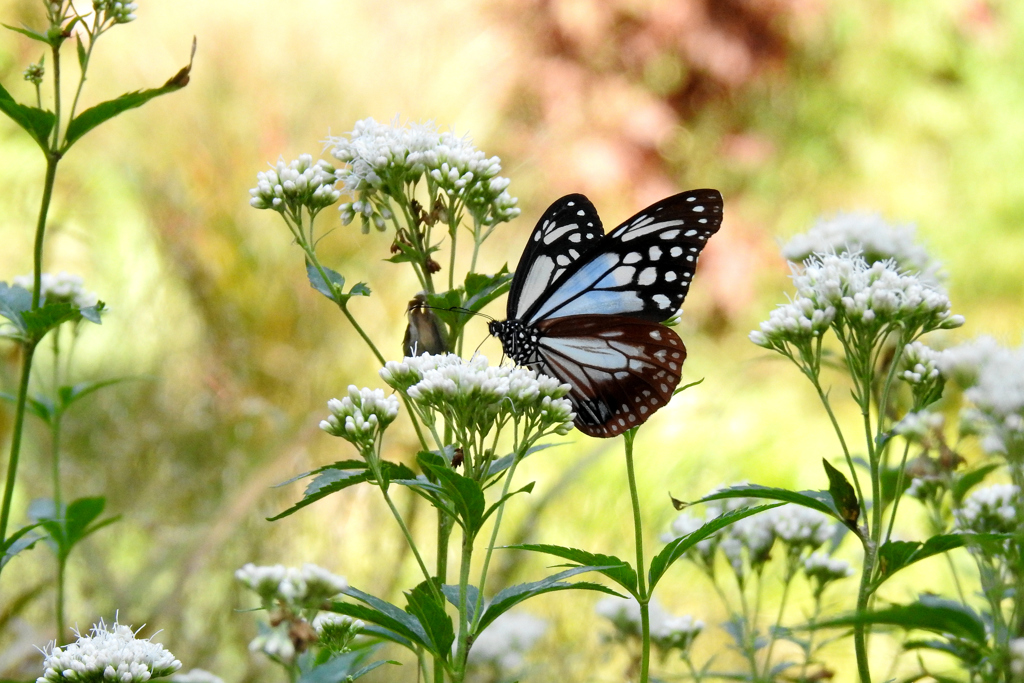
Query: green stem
(790, 573)
(860, 643)
(409, 539)
(19, 423)
(839, 432)
(62, 563)
(494, 537)
(898, 493)
(463, 645)
(85, 66)
(638, 532)
(444, 532)
(55, 422)
(55, 143)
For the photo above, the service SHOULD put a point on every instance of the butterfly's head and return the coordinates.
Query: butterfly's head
(495, 327)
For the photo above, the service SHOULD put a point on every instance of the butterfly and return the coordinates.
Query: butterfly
(586, 307)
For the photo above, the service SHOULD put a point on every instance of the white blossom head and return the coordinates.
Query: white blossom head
(336, 631)
(477, 397)
(114, 11)
(993, 509)
(380, 161)
(822, 570)
(287, 188)
(504, 644)
(920, 426)
(668, 632)
(34, 73)
(867, 234)
(61, 287)
(361, 417)
(800, 528)
(107, 654)
(305, 587)
(998, 398)
(275, 642)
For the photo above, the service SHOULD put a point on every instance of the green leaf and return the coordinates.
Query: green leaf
(339, 476)
(80, 514)
(83, 56)
(69, 394)
(93, 313)
(335, 291)
(683, 388)
(617, 570)
(968, 480)
(36, 405)
(961, 649)
(451, 593)
(816, 500)
(930, 613)
(497, 504)
(435, 621)
(14, 301)
(844, 496)
(26, 31)
(47, 317)
(94, 116)
(513, 595)
(342, 668)
(466, 494)
(677, 548)
(377, 631)
(22, 539)
(483, 289)
(389, 616)
(896, 555)
(36, 122)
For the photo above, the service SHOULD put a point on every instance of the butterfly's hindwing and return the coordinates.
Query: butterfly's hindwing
(642, 269)
(621, 369)
(568, 229)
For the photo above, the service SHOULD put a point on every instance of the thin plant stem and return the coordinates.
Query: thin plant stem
(898, 494)
(19, 422)
(85, 65)
(860, 644)
(62, 563)
(409, 539)
(790, 573)
(55, 423)
(494, 537)
(462, 650)
(839, 433)
(645, 599)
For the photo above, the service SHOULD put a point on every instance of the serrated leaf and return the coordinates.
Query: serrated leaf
(94, 116)
(896, 555)
(513, 595)
(465, 493)
(677, 548)
(370, 667)
(435, 621)
(451, 593)
(47, 317)
(340, 476)
(815, 500)
(843, 495)
(38, 123)
(619, 571)
(930, 613)
(378, 631)
(338, 281)
(389, 616)
(483, 289)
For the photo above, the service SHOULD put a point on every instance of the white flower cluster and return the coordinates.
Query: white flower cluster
(867, 234)
(108, 654)
(800, 528)
(301, 183)
(920, 426)
(114, 10)
(336, 631)
(308, 586)
(998, 397)
(823, 569)
(274, 642)
(963, 363)
(505, 642)
(845, 292)
(476, 396)
(196, 676)
(668, 632)
(991, 510)
(362, 416)
(62, 287)
(382, 160)
(34, 73)
(921, 363)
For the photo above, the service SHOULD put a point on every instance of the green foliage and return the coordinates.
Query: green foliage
(929, 613)
(20, 540)
(335, 290)
(337, 477)
(431, 615)
(68, 527)
(38, 123)
(843, 496)
(615, 569)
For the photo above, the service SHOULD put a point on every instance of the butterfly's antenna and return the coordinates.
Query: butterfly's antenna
(477, 349)
(454, 309)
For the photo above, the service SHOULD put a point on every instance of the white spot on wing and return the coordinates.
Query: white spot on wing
(551, 236)
(662, 300)
(648, 276)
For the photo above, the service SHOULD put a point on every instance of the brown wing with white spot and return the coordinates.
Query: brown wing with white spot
(622, 369)
(566, 231)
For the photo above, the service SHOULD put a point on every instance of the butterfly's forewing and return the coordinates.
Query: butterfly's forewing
(621, 369)
(567, 230)
(642, 269)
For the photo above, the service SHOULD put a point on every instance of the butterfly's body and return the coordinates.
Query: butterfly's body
(587, 308)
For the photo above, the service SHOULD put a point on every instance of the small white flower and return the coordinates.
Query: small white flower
(667, 631)
(107, 654)
(799, 527)
(62, 287)
(301, 183)
(868, 234)
(34, 73)
(921, 425)
(274, 642)
(325, 621)
(362, 416)
(308, 586)
(824, 569)
(504, 643)
(115, 11)
(990, 510)
(920, 363)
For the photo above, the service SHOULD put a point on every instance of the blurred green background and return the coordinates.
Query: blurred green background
(792, 108)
